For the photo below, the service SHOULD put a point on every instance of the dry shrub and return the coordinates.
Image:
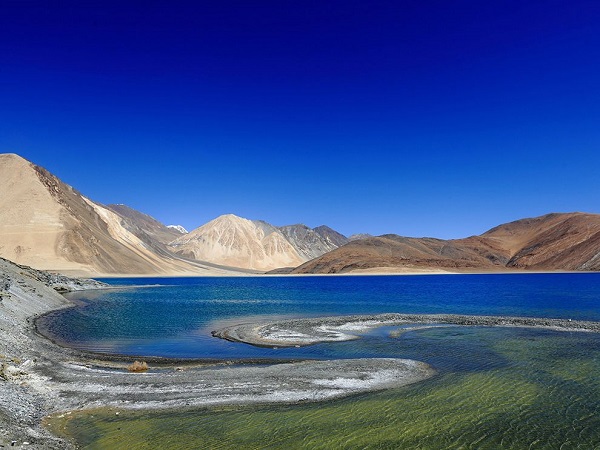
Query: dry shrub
(138, 366)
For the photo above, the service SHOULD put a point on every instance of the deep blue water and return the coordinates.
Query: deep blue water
(174, 318)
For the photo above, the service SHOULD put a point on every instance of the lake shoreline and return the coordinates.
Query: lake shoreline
(39, 378)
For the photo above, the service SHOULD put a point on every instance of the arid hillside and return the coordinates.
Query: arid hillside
(47, 224)
(569, 241)
(254, 244)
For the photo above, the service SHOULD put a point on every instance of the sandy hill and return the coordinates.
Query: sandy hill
(569, 241)
(253, 244)
(47, 224)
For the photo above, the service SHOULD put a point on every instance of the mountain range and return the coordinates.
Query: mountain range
(568, 242)
(47, 224)
(254, 244)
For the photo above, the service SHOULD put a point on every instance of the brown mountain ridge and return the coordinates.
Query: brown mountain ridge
(557, 241)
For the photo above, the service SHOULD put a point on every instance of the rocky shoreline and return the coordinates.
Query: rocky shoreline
(39, 378)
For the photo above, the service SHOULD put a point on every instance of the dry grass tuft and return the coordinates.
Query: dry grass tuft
(138, 366)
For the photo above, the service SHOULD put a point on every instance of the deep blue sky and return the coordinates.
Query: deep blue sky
(437, 118)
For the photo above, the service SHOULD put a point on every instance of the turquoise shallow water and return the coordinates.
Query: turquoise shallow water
(496, 389)
(175, 318)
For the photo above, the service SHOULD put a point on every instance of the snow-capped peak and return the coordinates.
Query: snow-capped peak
(178, 228)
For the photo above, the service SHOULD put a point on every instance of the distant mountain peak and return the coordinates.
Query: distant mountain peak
(234, 241)
(179, 228)
(230, 216)
(253, 244)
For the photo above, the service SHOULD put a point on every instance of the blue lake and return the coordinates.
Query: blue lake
(174, 317)
(494, 388)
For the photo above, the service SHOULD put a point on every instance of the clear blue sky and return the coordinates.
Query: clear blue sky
(422, 118)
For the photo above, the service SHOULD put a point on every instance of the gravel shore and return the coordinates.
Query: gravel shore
(39, 378)
(301, 332)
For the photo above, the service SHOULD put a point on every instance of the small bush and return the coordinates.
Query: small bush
(138, 366)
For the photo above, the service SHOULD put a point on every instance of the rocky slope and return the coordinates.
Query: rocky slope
(307, 242)
(554, 241)
(568, 241)
(234, 241)
(25, 293)
(147, 228)
(331, 236)
(47, 224)
(253, 244)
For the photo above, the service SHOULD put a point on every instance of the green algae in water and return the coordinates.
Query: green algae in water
(544, 394)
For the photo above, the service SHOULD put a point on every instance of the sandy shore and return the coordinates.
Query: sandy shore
(39, 378)
(376, 271)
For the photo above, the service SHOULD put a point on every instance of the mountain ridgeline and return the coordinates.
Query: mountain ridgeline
(47, 224)
(563, 242)
(230, 240)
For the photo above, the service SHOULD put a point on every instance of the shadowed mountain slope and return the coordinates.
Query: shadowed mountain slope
(331, 236)
(308, 242)
(147, 228)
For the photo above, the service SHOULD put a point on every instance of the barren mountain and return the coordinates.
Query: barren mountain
(331, 236)
(552, 242)
(308, 242)
(254, 244)
(147, 228)
(47, 224)
(390, 252)
(234, 241)
(178, 228)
